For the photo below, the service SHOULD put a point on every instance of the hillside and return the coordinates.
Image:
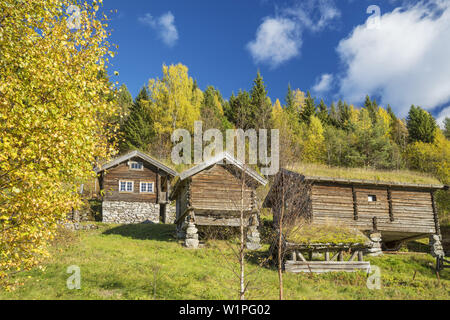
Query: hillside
(146, 262)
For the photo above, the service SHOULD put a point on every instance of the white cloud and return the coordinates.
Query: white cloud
(279, 39)
(164, 25)
(405, 61)
(323, 84)
(445, 113)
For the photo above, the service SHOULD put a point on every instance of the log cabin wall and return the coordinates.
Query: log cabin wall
(122, 172)
(219, 189)
(182, 199)
(331, 204)
(413, 211)
(399, 211)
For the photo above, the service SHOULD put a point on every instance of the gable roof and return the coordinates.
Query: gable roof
(224, 156)
(137, 154)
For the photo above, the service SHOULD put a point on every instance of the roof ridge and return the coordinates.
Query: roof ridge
(141, 155)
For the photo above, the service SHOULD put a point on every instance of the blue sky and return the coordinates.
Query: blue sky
(333, 48)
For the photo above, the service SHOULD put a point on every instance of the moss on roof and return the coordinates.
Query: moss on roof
(392, 176)
(326, 234)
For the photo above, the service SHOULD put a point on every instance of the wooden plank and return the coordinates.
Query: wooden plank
(326, 266)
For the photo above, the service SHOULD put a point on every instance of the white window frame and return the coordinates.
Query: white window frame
(126, 186)
(372, 198)
(147, 183)
(130, 164)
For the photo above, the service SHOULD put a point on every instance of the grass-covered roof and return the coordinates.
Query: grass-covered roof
(310, 234)
(387, 176)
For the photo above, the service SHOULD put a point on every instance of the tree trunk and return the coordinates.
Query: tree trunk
(280, 248)
(241, 258)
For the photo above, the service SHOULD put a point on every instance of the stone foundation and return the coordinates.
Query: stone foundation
(129, 212)
(169, 217)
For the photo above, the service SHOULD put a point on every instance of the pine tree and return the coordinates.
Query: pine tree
(124, 101)
(323, 113)
(334, 119)
(421, 125)
(447, 127)
(239, 110)
(138, 128)
(260, 104)
(344, 114)
(309, 110)
(289, 99)
(372, 108)
(212, 110)
(391, 113)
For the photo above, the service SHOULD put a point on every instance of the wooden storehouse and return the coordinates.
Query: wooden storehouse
(398, 211)
(211, 194)
(135, 190)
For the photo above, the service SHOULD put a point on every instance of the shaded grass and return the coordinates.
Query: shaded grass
(146, 262)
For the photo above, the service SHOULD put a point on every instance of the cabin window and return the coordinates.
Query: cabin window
(372, 198)
(147, 187)
(135, 165)
(126, 186)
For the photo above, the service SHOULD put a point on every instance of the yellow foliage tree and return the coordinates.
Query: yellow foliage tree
(433, 157)
(385, 121)
(298, 102)
(314, 149)
(53, 104)
(175, 101)
(289, 138)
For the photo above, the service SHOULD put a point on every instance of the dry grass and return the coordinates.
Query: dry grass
(402, 176)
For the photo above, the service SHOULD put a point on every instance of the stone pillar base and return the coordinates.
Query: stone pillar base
(253, 239)
(375, 245)
(436, 246)
(191, 240)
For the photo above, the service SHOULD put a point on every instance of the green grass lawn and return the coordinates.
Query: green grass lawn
(146, 262)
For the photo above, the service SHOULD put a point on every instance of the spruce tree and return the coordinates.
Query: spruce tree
(239, 110)
(125, 101)
(138, 128)
(447, 127)
(289, 99)
(261, 108)
(421, 125)
(372, 108)
(323, 113)
(344, 114)
(309, 109)
(334, 119)
(212, 110)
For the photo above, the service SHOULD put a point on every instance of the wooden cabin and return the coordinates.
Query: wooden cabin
(211, 194)
(135, 190)
(398, 211)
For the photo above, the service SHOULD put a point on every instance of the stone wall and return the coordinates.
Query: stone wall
(170, 213)
(129, 212)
